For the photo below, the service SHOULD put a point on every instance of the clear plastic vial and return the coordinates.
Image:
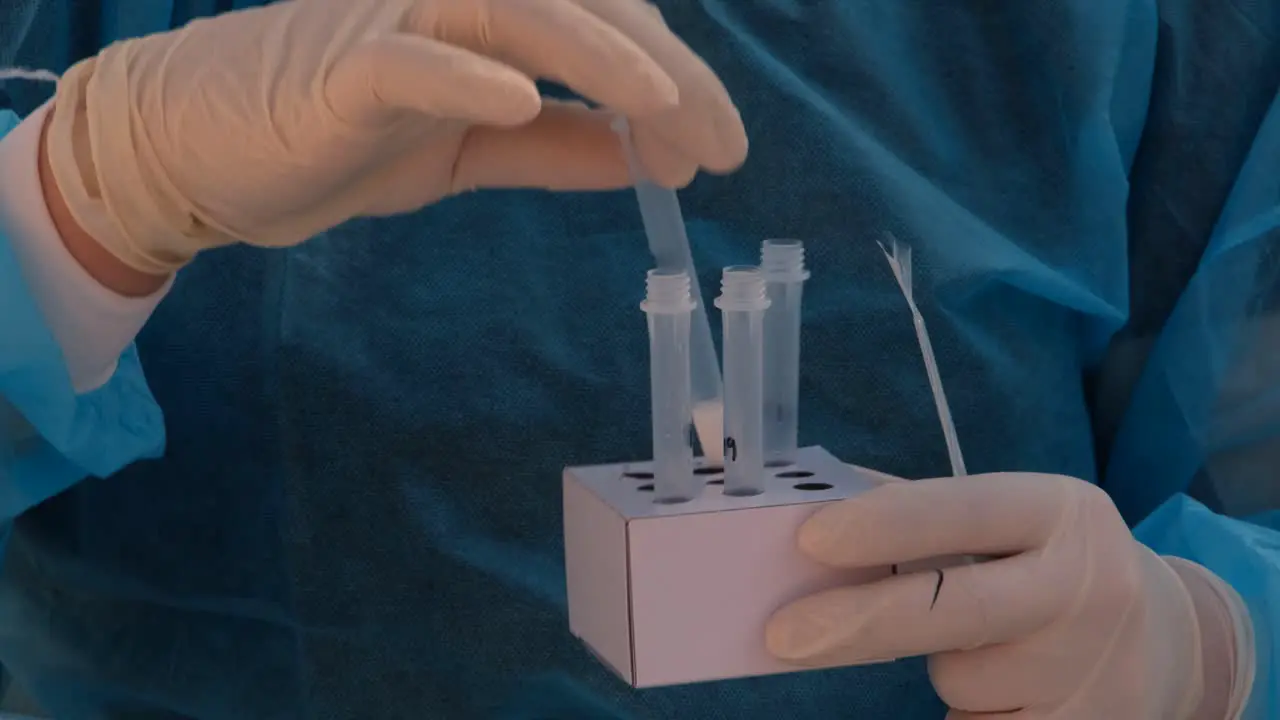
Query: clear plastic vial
(782, 262)
(742, 304)
(669, 305)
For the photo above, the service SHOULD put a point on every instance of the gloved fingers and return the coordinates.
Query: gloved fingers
(706, 126)
(1016, 715)
(555, 40)
(991, 679)
(876, 476)
(567, 147)
(661, 162)
(960, 608)
(653, 9)
(997, 514)
(408, 72)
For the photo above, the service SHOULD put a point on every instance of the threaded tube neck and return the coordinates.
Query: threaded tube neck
(667, 292)
(742, 287)
(783, 261)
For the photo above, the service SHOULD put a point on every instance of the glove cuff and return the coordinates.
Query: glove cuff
(1227, 641)
(104, 170)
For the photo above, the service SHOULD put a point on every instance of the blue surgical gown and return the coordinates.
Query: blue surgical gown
(357, 515)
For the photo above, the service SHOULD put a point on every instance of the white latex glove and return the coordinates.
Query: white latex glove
(272, 124)
(1075, 620)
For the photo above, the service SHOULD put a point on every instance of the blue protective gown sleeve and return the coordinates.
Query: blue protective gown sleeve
(1204, 413)
(50, 436)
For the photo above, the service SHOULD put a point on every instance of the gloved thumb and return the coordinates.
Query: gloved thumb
(400, 71)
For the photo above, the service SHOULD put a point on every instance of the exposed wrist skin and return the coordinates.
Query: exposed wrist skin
(100, 264)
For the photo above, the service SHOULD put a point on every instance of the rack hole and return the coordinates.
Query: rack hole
(774, 464)
(813, 486)
(639, 475)
(647, 487)
(672, 501)
(795, 474)
(717, 481)
(708, 470)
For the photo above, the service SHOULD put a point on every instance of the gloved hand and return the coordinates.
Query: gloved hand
(1075, 620)
(271, 124)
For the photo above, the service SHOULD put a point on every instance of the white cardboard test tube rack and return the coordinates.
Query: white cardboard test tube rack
(668, 594)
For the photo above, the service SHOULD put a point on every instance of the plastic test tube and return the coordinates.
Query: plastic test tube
(668, 305)
(742, 302)
(669, 244)
(782, 262)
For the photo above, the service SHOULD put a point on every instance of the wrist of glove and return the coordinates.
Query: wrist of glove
(1226, 641)
(115, 193)
(1072, 619)
(272, 124)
